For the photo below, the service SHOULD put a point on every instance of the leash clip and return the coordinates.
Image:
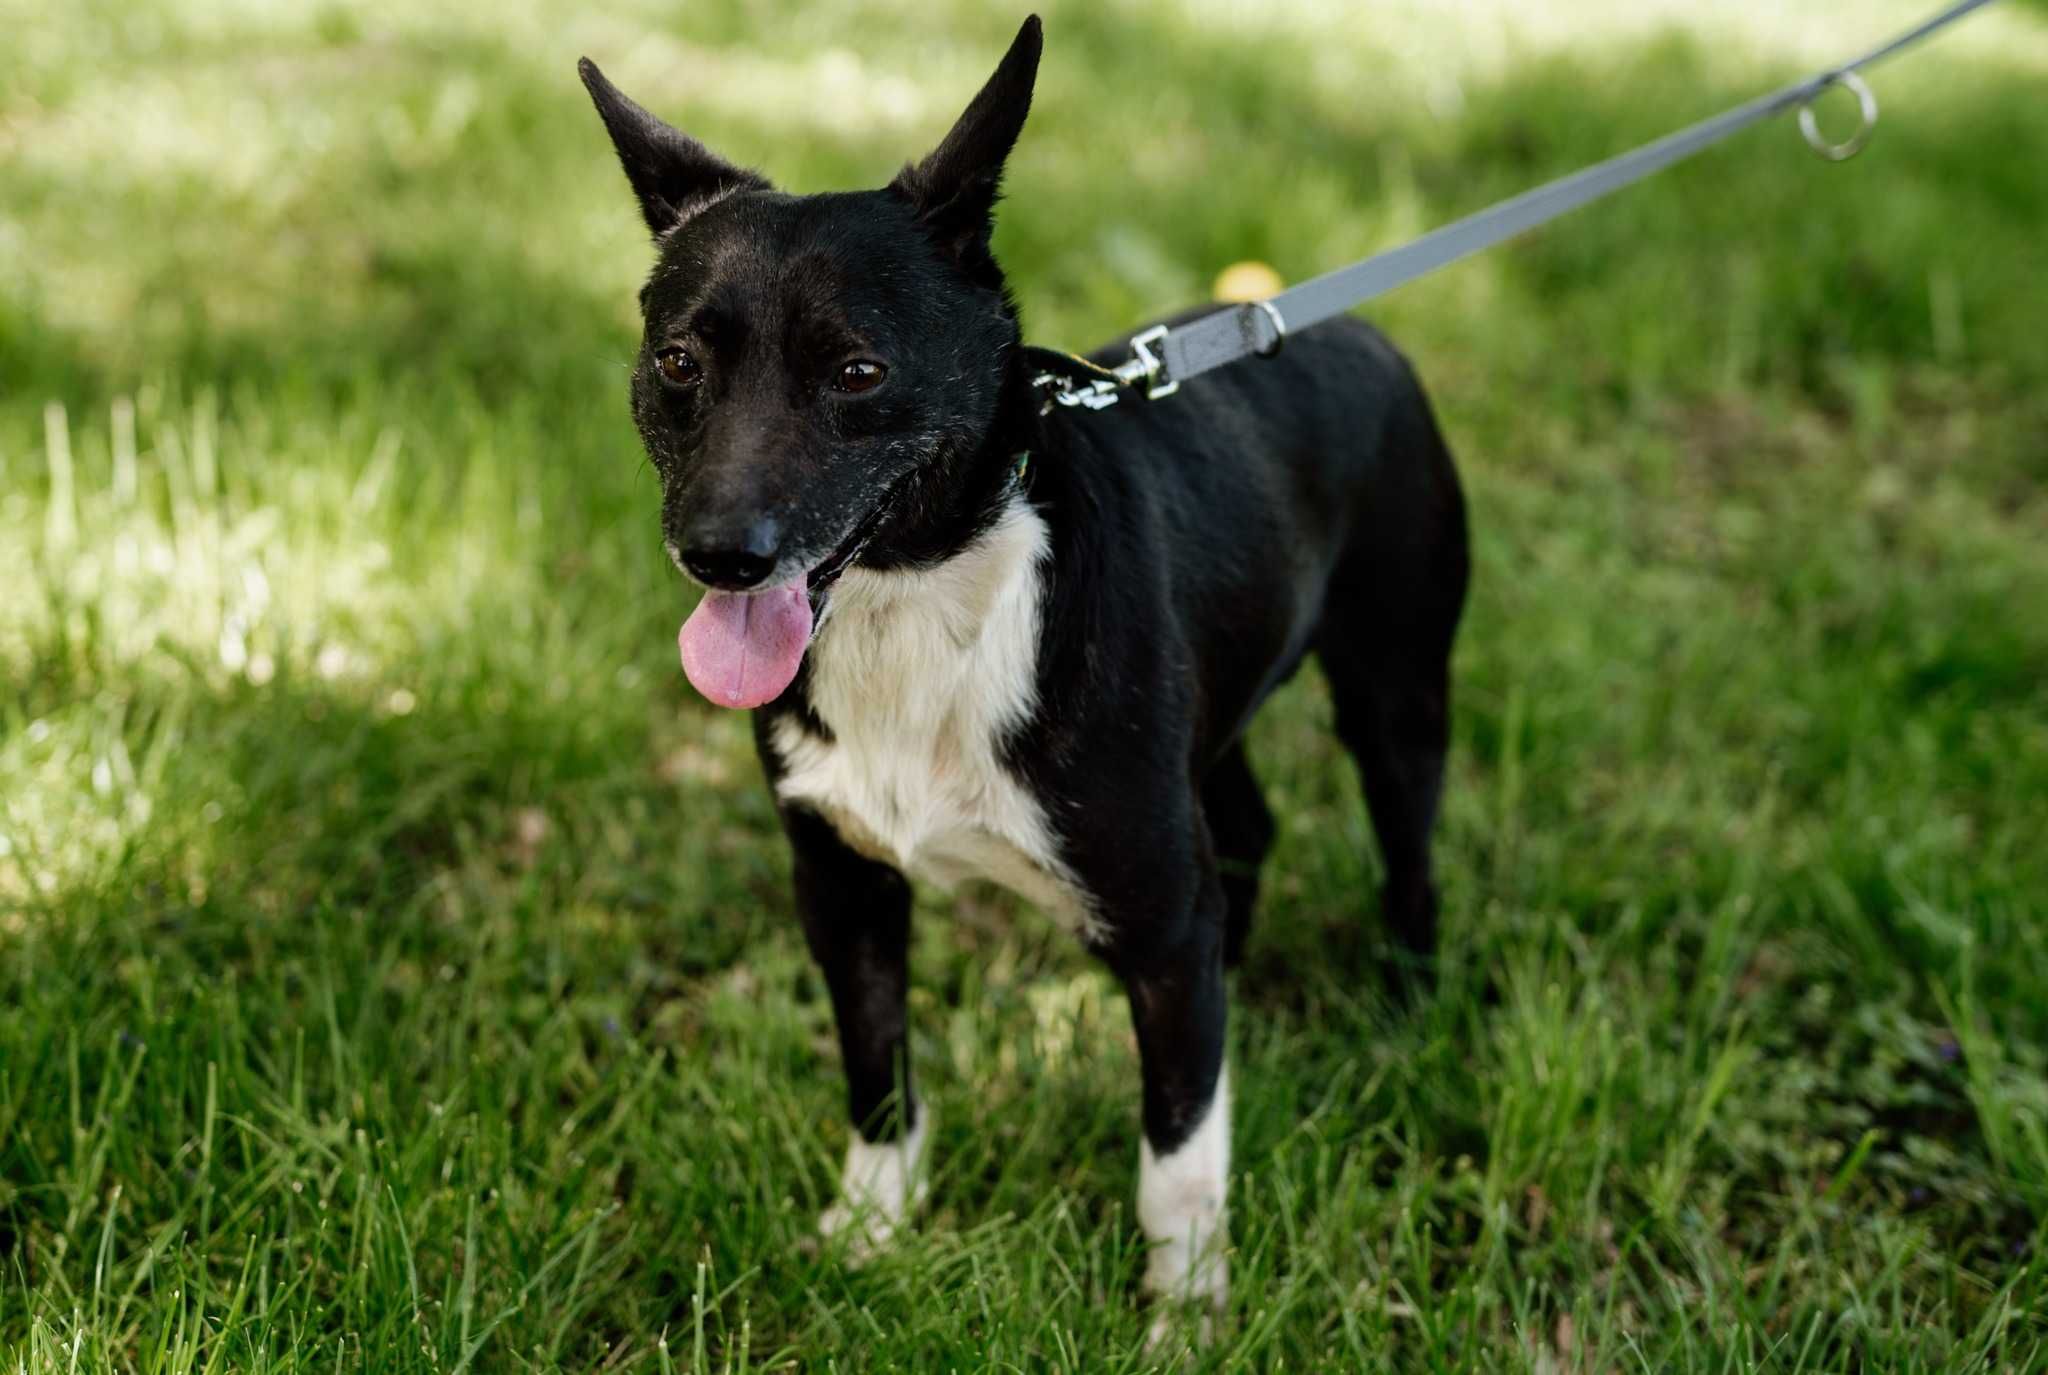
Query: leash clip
(1100, 393)
(1096, 394)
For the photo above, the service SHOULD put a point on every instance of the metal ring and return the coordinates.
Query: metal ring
(1809, 126)
(1273, 314)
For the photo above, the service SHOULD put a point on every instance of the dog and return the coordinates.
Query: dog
(986, 638)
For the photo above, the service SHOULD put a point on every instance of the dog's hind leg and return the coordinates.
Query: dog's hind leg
(1394, 720)
(1390, 614)
(856, 915)
(1241, 828)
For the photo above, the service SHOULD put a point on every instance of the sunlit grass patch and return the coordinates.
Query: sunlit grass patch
(234, 621)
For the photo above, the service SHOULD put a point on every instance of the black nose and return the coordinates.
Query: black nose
(733, 559)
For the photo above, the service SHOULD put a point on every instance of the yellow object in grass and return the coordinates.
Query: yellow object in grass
(1247, 281)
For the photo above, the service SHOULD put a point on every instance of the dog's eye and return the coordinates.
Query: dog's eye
(678, 367)
(860, 375)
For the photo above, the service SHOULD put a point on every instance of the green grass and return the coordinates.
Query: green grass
(396, 967)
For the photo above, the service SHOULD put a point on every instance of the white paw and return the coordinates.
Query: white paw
(1177, 1327)
(878, 1188)
(861, 1233)
(1189, 1291)
(1176, 1274)
(1181, 1208)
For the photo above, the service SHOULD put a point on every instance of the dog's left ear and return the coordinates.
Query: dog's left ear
(954, 189)
(673, 175)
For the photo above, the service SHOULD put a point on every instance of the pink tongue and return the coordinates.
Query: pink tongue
(740, 649)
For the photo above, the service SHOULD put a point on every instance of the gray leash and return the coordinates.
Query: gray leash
(1162, 358)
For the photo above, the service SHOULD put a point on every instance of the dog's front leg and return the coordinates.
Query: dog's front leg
(856, 915)
(1173, 975)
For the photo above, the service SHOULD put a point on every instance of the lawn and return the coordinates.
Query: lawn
(397, 971)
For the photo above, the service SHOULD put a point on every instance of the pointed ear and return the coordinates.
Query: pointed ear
(673, 175)
(954, 190)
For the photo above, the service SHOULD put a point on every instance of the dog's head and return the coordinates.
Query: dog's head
(808, 359)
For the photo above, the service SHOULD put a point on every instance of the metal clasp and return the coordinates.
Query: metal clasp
(1148, 367)
(1100, 393)
(1096, 394)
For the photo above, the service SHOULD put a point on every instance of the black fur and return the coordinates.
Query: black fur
(1202, 546)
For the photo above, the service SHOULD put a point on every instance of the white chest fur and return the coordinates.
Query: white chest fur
(920, 676)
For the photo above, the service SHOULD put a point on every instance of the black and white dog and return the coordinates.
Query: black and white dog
(988, 642)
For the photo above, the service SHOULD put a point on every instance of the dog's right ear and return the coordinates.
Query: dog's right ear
(673, 175)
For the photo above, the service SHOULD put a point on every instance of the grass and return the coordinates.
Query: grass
(396, 969)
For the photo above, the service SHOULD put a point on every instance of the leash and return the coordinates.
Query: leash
(1162, 358)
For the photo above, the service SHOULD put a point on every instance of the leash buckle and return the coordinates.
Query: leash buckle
(1148, 367)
